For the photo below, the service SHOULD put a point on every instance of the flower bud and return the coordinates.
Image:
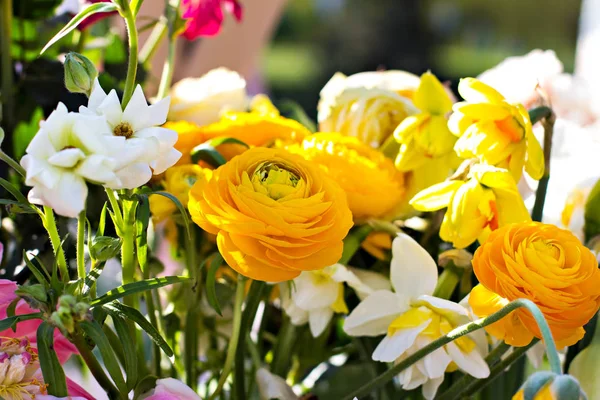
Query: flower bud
(548, 385)
(80, 74)
(460, 257)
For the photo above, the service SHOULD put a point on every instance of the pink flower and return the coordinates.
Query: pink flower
(171, 389)
(28, 329)
(205, 17)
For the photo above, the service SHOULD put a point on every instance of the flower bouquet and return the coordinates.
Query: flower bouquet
(200, 244)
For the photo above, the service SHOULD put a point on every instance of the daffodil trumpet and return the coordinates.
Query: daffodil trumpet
(461, 331)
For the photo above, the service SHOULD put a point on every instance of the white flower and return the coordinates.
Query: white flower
(316, 295)
(140, 146)
(411, 318)
(202, 100)
(67, 150)
(271, 386)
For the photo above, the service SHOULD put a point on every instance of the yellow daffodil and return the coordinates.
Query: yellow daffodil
(426, 135)
(497, 132)
(486, 200)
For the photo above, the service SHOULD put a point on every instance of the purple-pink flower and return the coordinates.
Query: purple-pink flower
(205, 17)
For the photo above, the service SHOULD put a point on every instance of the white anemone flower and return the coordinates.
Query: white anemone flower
(316, 295)
(68, 150)
(411, 318)
(141, 146)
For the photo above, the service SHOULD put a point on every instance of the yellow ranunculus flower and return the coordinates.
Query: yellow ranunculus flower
(274, 213)
(368, 106)
(495, 131)
(373, 185)
(426, 135)
(487, 200)
(178, 181)
(544, 264)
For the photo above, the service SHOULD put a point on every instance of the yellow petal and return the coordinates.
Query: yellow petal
(404, 132)
(435, 197)
(434, 138)
(534, 165)
(410, 157)
(495, 178)
(458, 123)
(431, 95)
(475, 91)
(485, 111)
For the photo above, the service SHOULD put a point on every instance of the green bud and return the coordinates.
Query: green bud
(562, 387)
(67, 301)
(81, 310)
(105, 247)
(80, 74)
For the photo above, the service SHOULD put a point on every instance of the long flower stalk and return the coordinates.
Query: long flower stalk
(7, 87)
(540, 194)
(132, 65)
(169, 67)
(81, 220)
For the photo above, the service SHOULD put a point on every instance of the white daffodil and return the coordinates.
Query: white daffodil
(411, 318)
(67, 150)
(140, 145)
(316, 295)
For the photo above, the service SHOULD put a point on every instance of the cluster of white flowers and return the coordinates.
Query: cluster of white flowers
(101, 144)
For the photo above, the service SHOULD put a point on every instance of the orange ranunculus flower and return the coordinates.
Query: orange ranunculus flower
(274, 214)
(371, 181)
(544, 264)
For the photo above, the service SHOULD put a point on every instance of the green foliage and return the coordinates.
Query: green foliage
(54, 375)
(25, 131)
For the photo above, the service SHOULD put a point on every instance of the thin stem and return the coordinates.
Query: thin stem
(235, 336)
(156, 36)
(194, 317)
(92, 362)
(353, 241)
(116, 209)
(128, 259)
(7, 64)
(135, 6)
(156, 352)
(447, 281)
(169, 67)
(283, 349)
(50, 225)
(12, 163)
(133, 54)
(462, 331)
(83, 35)
(80, 246)
(540, 195)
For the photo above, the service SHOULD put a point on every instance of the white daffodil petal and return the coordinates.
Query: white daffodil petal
(535, 355)
(436, 362)
(472, 362)
(371, 280)
(447, 308)
(66, 158)
(412, 270)
(374, 314)
(166, 137)
(318, 320)
(392, 347)
(430, 387)
(313, 291)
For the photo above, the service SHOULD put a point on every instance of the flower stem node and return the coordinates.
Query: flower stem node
(548, 385)
(69, 312)
(80, 74)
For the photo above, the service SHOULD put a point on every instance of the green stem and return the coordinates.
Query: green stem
(235, 336)
(128, 259)
(194, 317)
(135, 6)
(133, 54)
(169, 67)
(80, 247)
(12, 163)
(92, 363)
(116, 209)
(156, 36)
(7, 64)
(353, 241)
(462, 331)
(283, 350)
(447, 281)
(156, 352)
(83, 35)
(540, 195)
(50, 225)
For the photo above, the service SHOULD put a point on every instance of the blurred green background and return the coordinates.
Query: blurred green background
(452, 38)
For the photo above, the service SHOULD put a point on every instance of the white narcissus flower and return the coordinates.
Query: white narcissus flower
(68, 150)
(316, 295)
(411, 318)
(203, 100)
(140, 145)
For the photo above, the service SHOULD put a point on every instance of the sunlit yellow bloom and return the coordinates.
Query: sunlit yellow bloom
(487, 200)
(189, 136)
(178, 181)
(426, 135)
(368, 105)
(274, 213)
(544, 264)
(373, 185)
(495, 131)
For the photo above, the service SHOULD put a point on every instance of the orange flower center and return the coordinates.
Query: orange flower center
(511, 128)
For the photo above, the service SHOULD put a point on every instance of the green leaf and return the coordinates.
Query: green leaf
(12, 307)
(123, 311)
(95, 332)
(40, 273)
(180, 207)
(144, 386)
(129, 349)
(14, 191)
(102, 222)
(25, 131)
(208, 152)
(211, 292)
(104, 248)
(136, 287)
(294, 111)
(11, 322)
(73, 23)
(54, 375)
(92, 277)
(142, 219)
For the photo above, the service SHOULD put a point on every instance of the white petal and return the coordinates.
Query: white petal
(451, 310)
(430, 387)
(392, 347)
(137, 111)
(370, 282)
(94, 133)
(310, 295)
(111, 109)
(67, 198)
(131, 177)
(272, 386)
(41, 146)
(472, 362)
(158, 111)
(165, 161)
(166, 137)
(436, 362)
(374, 314)
(97, 168)
(413, 271)
(66, 158)
(96, 98)
(40, 172)
(318, 320)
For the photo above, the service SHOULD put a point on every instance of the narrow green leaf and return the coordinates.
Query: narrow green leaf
(102, 222)
(180, 207)
(223, 140)
(136, 287)
(12, 307)
(142, 219)
(76, 20)
(116, 308)
(144, 386)
(207, 154)
(125, 335)
(92, 277)
(11, 322)
(211, 281)
(103, 248)
(294, 111)
(95, 332)
(40, 273)
(54, 375)
(14, 191)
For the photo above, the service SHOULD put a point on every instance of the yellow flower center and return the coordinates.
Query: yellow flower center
(275, 181)
(511, 128)
(123, 129)
(547, 248)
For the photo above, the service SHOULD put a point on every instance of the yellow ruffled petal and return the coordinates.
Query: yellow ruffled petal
(435, 197)
(475, 91)
(404, 132)
(431, 96)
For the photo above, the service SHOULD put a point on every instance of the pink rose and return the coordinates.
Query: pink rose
(205, 17)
